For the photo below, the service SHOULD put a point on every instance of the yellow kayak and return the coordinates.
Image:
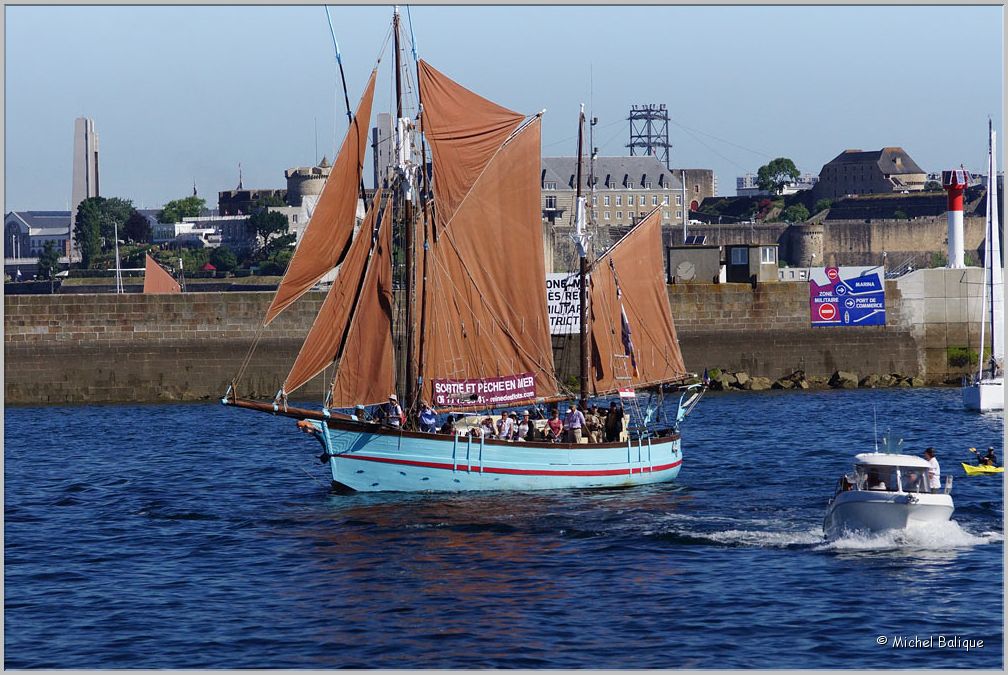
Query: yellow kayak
(973, 469)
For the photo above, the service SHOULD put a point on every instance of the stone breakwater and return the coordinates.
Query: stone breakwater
(92, 348)
(741, 381)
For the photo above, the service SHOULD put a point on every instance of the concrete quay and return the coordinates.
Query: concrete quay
(94, 348)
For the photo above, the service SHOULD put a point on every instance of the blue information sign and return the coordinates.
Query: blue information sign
(847, 296)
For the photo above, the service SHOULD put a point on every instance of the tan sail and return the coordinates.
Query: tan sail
(485, 291)
(157, 280)
(465, 131)
(366, 371)
(637, 259)
(323, 341)
(327, 236)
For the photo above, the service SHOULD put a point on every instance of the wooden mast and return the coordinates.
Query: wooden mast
(583, 271)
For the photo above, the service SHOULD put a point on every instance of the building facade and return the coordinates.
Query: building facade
(747, 186)
(856, 172)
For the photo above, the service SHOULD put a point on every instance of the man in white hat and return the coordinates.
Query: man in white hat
(393, 412)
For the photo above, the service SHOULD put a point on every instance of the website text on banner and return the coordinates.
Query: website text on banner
(488, 391)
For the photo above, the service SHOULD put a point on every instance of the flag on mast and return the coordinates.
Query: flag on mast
(624, 323)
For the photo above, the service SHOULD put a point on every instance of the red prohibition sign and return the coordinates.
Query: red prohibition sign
(832, 273)
(827, 312)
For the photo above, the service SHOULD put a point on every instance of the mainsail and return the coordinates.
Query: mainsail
(328, 234)
(322, 344)
(633, 337)
(484, 294)
(157, 280)
(993, 273)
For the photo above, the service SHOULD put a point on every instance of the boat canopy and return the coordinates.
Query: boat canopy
(888, 459)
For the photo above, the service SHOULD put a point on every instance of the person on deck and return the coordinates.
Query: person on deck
(428, 419)
(505, 427)
(525, 427)
(574, 422)
(934, 471)
(449, 426)
(392, 414)
(486, 428)
(554, 427)
(593, 425)
(360, 414)
(614, 422)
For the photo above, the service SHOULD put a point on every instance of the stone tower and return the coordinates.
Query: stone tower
(85, 173)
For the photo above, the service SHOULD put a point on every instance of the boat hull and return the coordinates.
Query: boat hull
(871, 512)
(988, 394)
(975, 470)
(387, 460)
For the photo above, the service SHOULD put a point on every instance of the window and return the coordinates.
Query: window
(629, 185)
(594, 214)
(740, 256)
(678, 200)
(647, 185)
(605, 215)
(594, 200)
(768, 255)
(605, 200)
(551, 201)
(550, 185)
(665, 200)
(619, 215)
(678, 214)
(654, 200)
(666, 215)
(642, 200)
(619, 200)
(696, 188)
(295, 217)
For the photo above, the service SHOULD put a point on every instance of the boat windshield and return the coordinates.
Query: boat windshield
(876, 477)
(914, 479)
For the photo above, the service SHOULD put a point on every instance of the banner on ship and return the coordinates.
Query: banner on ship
(563, 298)
(847, 296)
(485, 392)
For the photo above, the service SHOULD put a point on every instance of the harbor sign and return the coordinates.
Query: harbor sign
(847, 296)
(564, 302)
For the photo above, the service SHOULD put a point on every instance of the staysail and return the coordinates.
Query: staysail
(328, 234)
(322, 344)
(366, 370)
(633, 337)
(994, 275)
(157, 280)
(486, 313)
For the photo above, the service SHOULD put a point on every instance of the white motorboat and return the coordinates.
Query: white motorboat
(887, 492)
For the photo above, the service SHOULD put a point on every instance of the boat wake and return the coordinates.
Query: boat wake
(935, 536)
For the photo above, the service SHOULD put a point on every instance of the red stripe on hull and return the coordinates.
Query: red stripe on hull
(516, 472)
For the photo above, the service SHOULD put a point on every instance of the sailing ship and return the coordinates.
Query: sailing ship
(985, 390)
(440, 298)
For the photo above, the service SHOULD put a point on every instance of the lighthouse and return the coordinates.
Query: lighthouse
(955, 182)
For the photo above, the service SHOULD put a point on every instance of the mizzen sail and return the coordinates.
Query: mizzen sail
(328, 234)
(633, 337)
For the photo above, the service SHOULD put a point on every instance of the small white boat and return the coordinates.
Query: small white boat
(985, 390)
(887, 492)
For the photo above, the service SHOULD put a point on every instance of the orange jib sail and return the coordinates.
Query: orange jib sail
(157, 280)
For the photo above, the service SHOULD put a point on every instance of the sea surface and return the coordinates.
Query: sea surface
(199, 536)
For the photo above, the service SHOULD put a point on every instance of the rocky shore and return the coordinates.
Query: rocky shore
(723, 380)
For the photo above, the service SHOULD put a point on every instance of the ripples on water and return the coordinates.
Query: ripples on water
(195, 536)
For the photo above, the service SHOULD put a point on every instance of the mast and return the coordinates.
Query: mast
(581, 238)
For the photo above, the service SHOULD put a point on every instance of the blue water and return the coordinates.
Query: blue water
(198, 536)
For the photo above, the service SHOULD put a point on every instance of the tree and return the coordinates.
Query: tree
(177, 209)
(773, 176)
(138, 229)
(273, 229)
(796, 213)
(97, 220)
(48, 262)
(932, 186)
(223, 259)
(822, 205)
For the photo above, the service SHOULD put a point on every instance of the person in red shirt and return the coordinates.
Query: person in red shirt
(554, 427)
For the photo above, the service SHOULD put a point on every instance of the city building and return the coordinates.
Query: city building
(25, 235)
(85, 174)
(857, 172)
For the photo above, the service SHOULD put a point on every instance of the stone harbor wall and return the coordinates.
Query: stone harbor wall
(104, 347)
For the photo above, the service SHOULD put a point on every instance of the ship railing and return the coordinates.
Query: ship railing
(948, 485)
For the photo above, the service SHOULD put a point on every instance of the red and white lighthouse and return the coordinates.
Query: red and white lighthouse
(955, 182)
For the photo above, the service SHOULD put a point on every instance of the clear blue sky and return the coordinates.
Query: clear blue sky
(184, 93)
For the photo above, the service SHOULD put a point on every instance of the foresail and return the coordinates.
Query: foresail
(328, 234)
(157, 280)
(465, 131)
(366, 370)
(633, 337)
(323, 341)
(486, 319)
